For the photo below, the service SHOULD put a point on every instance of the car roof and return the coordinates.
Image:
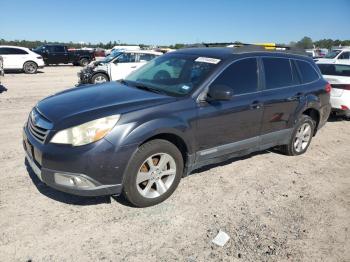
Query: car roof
(229, 52)
(13, 46)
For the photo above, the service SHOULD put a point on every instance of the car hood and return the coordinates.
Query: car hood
(93, 101)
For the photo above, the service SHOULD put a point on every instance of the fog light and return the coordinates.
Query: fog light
(72, 180)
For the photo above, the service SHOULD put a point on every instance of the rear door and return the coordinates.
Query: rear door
(122, 66)
(228, 126)
(344, 58)
(14, 58)
(59, 55)
(281, 97)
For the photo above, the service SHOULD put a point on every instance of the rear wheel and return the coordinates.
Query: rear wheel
(30, 67)
(153, 173)
(84, 62)
(99, 78)
(301, 137)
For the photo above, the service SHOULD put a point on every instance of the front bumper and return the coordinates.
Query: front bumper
(84, 77)
(99, 164)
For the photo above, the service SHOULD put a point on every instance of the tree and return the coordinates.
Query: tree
(305, 43)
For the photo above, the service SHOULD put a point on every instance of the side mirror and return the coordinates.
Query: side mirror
(220, 93)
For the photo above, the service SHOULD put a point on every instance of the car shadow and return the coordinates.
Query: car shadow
(17, 72)
(61, 196)
(336, 118)
(2, 89)
(84, 201)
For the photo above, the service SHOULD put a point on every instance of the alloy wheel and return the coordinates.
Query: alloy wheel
(156, 175)
(302, 137)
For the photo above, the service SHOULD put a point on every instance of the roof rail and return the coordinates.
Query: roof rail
(244, 47)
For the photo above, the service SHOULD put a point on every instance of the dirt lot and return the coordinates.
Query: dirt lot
(274, 207)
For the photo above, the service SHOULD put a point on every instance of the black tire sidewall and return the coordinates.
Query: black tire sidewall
(303, 119)
(84, 61)
(150, 148)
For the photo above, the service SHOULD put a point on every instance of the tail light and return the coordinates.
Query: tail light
(328, 88)
(345, 108)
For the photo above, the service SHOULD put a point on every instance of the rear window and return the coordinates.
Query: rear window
(308, 73)
(278, 72)
(334, 70)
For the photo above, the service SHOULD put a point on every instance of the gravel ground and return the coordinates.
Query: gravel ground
(273, 207)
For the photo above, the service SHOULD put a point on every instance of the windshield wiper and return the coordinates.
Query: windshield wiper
(147, 88)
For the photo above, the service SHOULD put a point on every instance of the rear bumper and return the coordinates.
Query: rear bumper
(325, 111)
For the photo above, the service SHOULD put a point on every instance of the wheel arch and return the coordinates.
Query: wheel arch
(314, 114)
(28, 62)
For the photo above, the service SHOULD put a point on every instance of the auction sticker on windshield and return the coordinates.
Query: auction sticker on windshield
(207, 60)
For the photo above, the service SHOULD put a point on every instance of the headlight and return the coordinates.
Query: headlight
(86, 133)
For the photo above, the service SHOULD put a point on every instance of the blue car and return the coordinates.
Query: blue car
(181, 111)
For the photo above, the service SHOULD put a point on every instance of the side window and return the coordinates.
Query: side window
(278, 72)
(14, 51)
(126, 58)
(2, 51)
(308, 73)
(58, 49)
(241, 76)
(344, 55)
(146, 57)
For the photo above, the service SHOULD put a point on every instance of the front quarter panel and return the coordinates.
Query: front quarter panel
(177, 118)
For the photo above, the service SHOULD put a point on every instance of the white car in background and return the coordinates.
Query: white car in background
(116, 66)
(336, 56)
(21, 58)
(338, 75)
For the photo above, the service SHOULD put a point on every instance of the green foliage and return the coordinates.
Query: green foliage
(305, 43)
(36, 43)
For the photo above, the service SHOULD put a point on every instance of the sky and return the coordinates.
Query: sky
(177, 21)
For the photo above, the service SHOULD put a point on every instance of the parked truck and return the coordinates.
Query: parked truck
(59, 54)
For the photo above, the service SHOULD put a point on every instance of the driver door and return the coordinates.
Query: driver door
(122, 66)
(225, 127)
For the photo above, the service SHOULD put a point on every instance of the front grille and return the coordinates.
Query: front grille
(37, 132)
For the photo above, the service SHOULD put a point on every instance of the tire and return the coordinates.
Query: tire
(147, 185)
(99, 78)
(84, 62)
(30, 67)
(301, 137)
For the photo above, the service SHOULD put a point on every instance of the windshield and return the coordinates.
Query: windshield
(332, 54)
(176, 75)
(39, 48)
(111, 56)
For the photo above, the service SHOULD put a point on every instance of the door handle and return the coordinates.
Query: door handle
(133, 67)
(256, 105)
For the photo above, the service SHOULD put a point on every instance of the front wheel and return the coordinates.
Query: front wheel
(153, 173)
(99, 78)
(30, 67)
(301, 137)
